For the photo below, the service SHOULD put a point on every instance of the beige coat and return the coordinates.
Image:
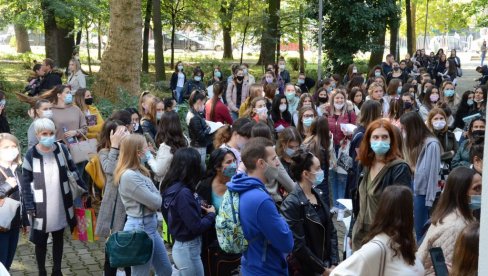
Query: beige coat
(231, 94)
(443, 235)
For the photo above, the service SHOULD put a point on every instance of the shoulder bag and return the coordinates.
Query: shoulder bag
(382, 258)
(128, 248)
(76, 190)
(8, 210)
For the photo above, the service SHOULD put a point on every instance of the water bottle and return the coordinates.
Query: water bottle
(70, 140)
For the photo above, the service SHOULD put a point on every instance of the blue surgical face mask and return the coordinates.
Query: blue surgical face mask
(230, 170)
(329, 89)
(399, 90)
(159, 115)
(68, 99)
(470, 102)
(217, 74)
(319, 177)
(146, 157)
(197, 78)
(380, 147)
(377, 74)
(290, 152)
(301, 81)
(307, 122)
(47, 141)
(475, 203)
(449, 92)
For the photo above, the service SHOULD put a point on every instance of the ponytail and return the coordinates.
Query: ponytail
(222, 136)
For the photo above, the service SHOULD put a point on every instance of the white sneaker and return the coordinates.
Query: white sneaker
(340, 215)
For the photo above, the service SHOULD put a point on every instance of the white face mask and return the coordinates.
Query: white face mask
(438, 125)
(47, 114)
(338, 106)
(9, 154)
(282, 107)
(262, 110)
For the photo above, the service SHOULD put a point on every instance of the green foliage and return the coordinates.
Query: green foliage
(294, 62)
(125, 100)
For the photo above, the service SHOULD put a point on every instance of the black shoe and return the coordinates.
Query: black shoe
(57, 273)
(42, 273)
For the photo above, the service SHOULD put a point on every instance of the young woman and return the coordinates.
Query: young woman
(306, 116)
(390, 231)
(376, 93)
(440, 69)
(394, 90)
(108, 152)
(196, 83)
(198, 129)
(476, 132)
(183, 211)
(159, 109)
(430, 100)
(141, 200)
(222, 166)
(356, 96)
(409, 103)
(76, 78)
(42, 109)
(280, 114)
(237, 92)
(322, 101)
(217, 76)
(259, 111)
(382, 166)
(215, 109)
(94, 120)
(306, 212)
(270, 91)
(147, 108)
(466, 251)
(306, 100)
(451, 215)
(450, 97)
(395, 112)
(396, 73)
(52, 212)
(437, 124)
(255, 90)
(422, 152)
(291, 97)
(10, 161)
(289, 141)
(178, 80)
(4, 126)
(480, 100)
(135, 120)
(170, 138)
(169, 105)
(234, 137)
(352, 71)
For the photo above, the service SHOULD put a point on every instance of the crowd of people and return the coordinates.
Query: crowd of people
(399, 141)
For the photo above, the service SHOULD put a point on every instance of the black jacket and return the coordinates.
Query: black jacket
(190, 86)
(50, 80)
(199, 131)
(174, 80)
(6, 190)
(315, 243)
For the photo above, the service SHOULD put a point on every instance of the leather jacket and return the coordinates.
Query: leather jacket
(315, 243)
(199, 131)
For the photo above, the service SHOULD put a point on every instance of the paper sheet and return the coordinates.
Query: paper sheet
(214, 126)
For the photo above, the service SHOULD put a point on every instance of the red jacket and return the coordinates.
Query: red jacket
(348, 117)
(222, 113)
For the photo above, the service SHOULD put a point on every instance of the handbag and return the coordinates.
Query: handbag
(81, 151)
(8, 210)
(76, 190)
(383, 256)
(128, 248)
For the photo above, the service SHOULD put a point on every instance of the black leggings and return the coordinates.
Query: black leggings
(109, 271)
(41, 249)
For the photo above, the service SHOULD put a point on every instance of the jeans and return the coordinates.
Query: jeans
(41, 250)
(178, 94)
(483, 54)
(338, 181)
(420, 214)
(8, 245)
(159, 260)
(186, 256)
(234, 115)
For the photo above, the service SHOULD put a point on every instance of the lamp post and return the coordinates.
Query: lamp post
(319, 67)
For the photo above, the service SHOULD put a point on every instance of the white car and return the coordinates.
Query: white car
(208, 43)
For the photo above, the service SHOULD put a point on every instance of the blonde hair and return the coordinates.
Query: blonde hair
(130, 147)
(77, 64)
(10, 137)
(372, 87)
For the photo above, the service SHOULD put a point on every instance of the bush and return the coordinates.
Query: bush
(295, 63)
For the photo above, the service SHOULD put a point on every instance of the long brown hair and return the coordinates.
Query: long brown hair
(416, 134)
(170, 132)
(455, 195)
(80, 99)
(321, 139)
(130, 147)
(50, 95)
(301, 111)
(431, 115)
(218, 89)
(467, 251)
(370, 111)
(289, 134)
(395, 219)
(366, 154)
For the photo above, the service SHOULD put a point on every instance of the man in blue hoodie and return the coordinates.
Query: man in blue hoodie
(270, 239)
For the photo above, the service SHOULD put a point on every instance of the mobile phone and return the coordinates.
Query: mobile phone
(438, 261)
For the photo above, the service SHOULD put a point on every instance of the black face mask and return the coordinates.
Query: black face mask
(322, 100)
(89, 101)
(407, 105)
(240, 78)
(478, 134)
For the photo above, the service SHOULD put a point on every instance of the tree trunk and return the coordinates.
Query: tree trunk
(377, 53)
(269, 35)
(246, 26)
(414, 26)
(393, 41)
(173, 30)
(227, 42)
(226, 14)
(300, 40)
(50, 31)
(99, 37)
(158, 41)
(88, 48)
(22, 39)
(410, 41)
(145, 40)
(278, 34)
(121, 61)
(66, 43)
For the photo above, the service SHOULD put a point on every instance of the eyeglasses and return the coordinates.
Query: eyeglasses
(308, 116)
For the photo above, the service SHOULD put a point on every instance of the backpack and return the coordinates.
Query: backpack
(228, 225)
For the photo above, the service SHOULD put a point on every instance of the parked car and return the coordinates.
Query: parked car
(208, 43)
(181, 42)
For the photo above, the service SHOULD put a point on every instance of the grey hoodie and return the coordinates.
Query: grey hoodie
(426, 175)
